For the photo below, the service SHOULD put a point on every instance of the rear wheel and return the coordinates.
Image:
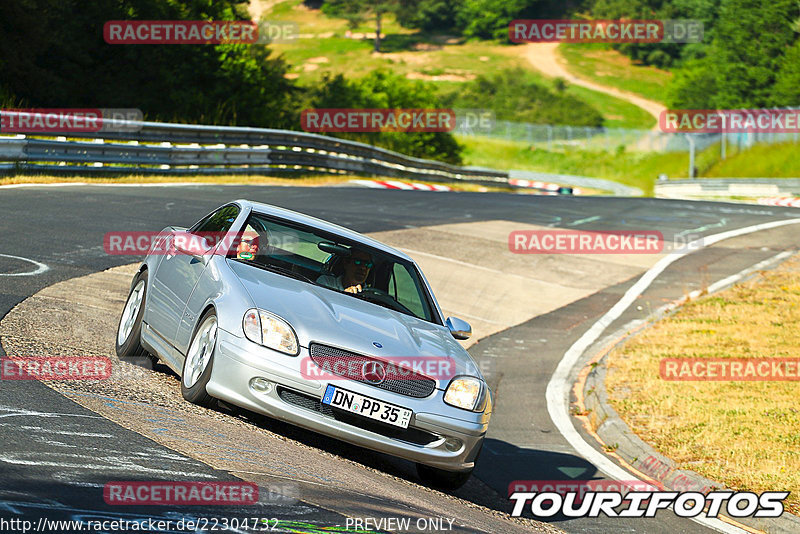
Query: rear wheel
(199, 361)
(441, 479)
(129, 331)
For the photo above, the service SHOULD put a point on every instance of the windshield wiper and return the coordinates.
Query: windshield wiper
(380, 302)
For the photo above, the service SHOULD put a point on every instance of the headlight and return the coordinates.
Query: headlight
(270, 330)
(464, 392)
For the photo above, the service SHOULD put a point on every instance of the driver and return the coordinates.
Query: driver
(248, 246)
(356, 269)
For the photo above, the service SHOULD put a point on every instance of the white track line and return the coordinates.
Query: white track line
(40, 267)
(558, 388)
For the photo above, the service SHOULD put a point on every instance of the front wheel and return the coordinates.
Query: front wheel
(199, 361)
(129, 331)
(441, 479)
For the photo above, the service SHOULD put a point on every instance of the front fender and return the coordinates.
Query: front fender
(151, 263)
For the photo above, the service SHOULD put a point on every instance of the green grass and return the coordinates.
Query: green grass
(608, 67)
(452, 64)
(446, 61)
(637, 169)
(616, 113)
(760, 161)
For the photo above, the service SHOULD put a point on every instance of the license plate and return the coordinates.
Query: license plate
(366, 406)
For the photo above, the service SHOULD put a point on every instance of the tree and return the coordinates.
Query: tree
(787, 81)
(357, 11)
(384, 89)
(489, 19)
(694, 86)
(750, 62)
(750, 39)
(53, 55)
(515, 97)
(428, 15)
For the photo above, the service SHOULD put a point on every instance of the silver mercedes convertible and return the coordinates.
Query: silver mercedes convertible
(308, 322)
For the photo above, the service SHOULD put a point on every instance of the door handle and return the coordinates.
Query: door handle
(170, 248)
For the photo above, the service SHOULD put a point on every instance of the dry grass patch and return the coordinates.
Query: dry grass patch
(745, 435)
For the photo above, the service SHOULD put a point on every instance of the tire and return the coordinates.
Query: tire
(129, 330)
(441, 479)
(199, 361)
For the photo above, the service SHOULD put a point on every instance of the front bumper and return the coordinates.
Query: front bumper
(237, 361)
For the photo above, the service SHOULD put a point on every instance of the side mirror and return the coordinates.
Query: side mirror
(459, 328)
(194, 245)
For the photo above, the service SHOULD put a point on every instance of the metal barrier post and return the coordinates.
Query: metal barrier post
(722, 145)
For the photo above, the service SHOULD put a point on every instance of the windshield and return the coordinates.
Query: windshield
(337, 264)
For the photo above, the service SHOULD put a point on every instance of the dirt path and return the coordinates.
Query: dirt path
(259, 7)
(545, 58)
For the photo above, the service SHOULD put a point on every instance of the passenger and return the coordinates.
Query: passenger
(356, 269)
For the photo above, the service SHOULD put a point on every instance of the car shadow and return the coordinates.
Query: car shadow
(505, 468)
(499, 465)
(150, 363)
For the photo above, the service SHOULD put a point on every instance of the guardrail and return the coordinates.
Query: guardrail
(728, 187)
(166, 148)
(601, 184)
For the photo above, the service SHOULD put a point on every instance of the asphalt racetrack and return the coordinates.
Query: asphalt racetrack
(59, 448)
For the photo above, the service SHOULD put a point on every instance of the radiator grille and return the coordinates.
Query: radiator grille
(411, 384)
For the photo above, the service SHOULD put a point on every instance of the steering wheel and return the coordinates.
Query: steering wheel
(375, 291)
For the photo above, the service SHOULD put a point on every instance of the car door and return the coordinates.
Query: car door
(178, 273)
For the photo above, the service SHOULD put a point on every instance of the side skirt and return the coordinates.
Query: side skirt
(162, 349)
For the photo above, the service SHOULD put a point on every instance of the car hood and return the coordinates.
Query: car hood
(328, 317)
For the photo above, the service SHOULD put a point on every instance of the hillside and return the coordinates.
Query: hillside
(447, 61)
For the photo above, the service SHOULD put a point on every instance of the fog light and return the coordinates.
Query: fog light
(452, 444)
(261, 385)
